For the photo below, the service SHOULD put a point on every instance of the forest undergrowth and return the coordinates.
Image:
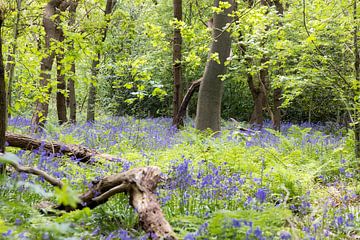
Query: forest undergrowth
(301, 183)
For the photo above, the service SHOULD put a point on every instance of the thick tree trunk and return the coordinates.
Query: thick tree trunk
(90, 116)
(81, 153)
(53, 8)
(208, 114)
(10, 66)
(177, 62)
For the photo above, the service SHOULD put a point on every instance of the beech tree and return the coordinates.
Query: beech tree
(208, 113)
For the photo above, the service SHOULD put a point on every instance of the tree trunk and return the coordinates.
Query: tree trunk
(90, 116)
(208, 114)
(177, 62)
(3, 102)
(10, 67)
(357, 78)
(277, 111)
(71, 82)
(277, 94)
(72, 96)
(61, 88)
(259, 98)
(52, 9)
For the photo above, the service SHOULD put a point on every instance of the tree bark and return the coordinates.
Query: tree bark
(185, 102)
(71, 82)
(357, 78)
(90, 116)
(177, 63)
(81, 153)
(3, 102)
(10, 66)
(208, 114)
(277, 93)
(51, 33)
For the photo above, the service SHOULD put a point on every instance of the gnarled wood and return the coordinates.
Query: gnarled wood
(140, 184)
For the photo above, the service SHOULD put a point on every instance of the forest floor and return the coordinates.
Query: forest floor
(301, 183)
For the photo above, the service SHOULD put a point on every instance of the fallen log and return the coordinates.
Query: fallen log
(82, 154)
(139, 183)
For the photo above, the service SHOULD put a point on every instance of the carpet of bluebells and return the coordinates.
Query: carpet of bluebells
(301, 183)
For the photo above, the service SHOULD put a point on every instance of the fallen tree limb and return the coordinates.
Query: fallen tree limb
(26, 142)
(185, 102)
(32, 170)
(139, 183)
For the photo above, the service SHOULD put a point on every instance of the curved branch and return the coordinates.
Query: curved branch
(34, 171)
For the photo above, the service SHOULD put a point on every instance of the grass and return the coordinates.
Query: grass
(298, 184)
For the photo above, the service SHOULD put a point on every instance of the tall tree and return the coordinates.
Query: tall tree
(10, 66)
(90, 117)
(177, 60)
(357, 78)
(61, 83)
(208, 113)
(277, 93)
(3, 102)
(52, 9)
(71, 83)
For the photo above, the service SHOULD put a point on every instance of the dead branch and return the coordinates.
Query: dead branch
(139, 183)
(182, 110)
(32, 170)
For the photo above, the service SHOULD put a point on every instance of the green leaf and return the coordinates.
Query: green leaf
(9, 158)
(66, 196)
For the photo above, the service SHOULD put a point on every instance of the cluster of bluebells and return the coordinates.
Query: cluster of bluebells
(211, 184)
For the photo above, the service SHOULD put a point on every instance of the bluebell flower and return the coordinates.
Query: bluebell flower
(261, 195)
(284, 235)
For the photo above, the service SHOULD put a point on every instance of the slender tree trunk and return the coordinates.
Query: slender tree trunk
(277, 94)
(177, 62)
(357, 78)
(90, 117)
(10, 66)
(208, 114)
(61, 88)
(71, 82)
(51, 33)
(3, 102)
